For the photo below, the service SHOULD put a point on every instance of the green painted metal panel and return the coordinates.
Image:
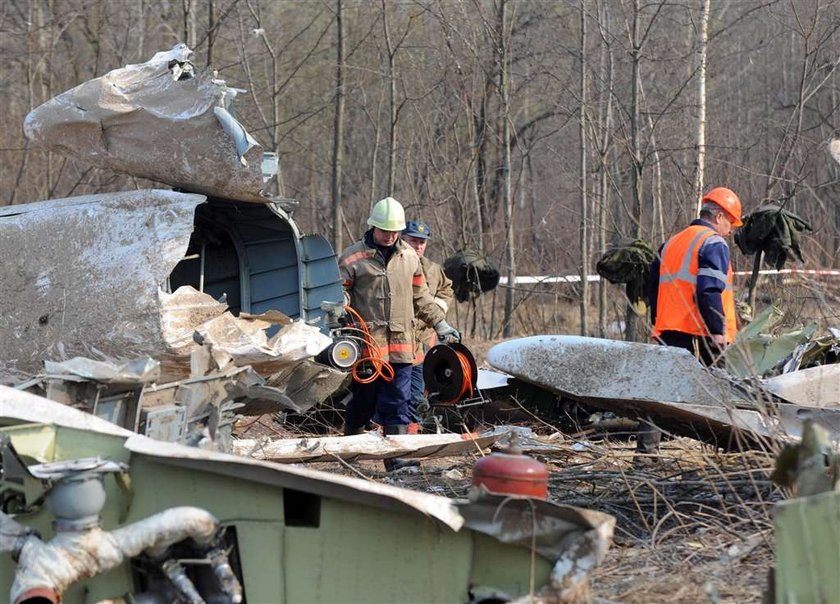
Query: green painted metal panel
(362, 554)
(506, 567)
(808, 549)
(294, 547)
(76, 444)
(37, 440)
(262, 556)
(158, 486)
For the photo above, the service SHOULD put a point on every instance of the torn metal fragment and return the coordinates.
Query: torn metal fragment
(162, 120)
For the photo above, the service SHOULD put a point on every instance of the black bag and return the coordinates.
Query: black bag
(472, 273)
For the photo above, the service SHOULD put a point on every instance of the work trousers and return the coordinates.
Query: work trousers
(418, 394)
(386, 403)
(649, 436)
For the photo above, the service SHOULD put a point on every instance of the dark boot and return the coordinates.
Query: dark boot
(394, 463)
(647, 445)
(351, 431)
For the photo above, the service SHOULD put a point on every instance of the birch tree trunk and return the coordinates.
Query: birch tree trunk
(211, 30)
(606, 71)
(392, 101)
(635, 121)
(190, 22)
(504, 169)
(584, 202)
(338, 128)
(633, 311)
(700, 168)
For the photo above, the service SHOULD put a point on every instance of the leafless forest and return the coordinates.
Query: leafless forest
(538, 131)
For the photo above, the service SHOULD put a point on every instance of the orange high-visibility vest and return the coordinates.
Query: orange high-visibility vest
(676, 304)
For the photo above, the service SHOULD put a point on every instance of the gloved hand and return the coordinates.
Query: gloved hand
(719, 341)
(446, 333)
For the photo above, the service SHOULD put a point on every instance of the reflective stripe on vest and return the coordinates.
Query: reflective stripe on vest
(676, 307)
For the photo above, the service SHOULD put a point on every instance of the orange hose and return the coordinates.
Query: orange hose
(466, 390)
(381, 367)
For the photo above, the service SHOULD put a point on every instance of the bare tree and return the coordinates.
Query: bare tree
(703, 48)
(338, 126)
(504, 167)
(584, 201)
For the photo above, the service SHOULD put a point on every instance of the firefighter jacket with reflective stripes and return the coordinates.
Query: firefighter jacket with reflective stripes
(389, 295)
(693, 293)
(440, 288)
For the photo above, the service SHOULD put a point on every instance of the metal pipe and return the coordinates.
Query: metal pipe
(76, 554)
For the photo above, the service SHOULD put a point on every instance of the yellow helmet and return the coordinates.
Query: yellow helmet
(388, 215)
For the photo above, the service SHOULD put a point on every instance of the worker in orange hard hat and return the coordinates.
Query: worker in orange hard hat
(690, 289)
(726, 200)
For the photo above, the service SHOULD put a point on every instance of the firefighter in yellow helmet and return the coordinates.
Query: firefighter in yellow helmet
(383, 281)
(690, 291)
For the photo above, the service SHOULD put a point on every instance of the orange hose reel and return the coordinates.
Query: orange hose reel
(450, 373)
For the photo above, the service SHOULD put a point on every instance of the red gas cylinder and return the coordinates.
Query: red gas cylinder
(512, 473)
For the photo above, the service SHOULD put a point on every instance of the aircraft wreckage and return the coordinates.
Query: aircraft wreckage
(672, 388)
(94, 513)
(170, 313)
(211, 292)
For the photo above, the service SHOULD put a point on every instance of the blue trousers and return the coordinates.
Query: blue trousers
(386, 403)
(418, 387)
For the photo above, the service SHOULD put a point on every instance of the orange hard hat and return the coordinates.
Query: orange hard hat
(728, 202)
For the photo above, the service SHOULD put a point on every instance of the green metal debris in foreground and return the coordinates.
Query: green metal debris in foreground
(808, 549)
(296, 534)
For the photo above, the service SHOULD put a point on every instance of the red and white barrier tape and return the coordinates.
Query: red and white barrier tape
(539, 279)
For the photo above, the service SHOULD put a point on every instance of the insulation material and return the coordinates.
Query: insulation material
(161, 120)
(237, 340)
(370, 445)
